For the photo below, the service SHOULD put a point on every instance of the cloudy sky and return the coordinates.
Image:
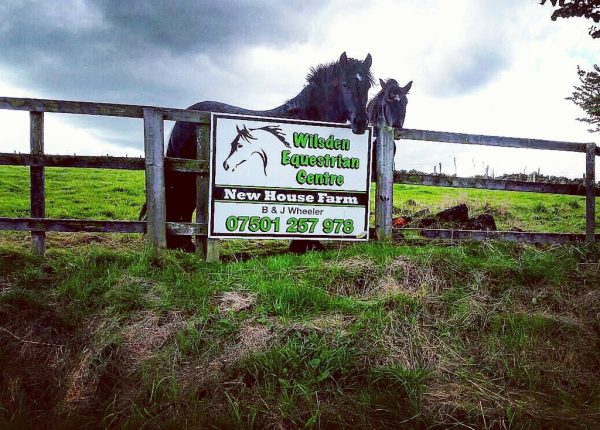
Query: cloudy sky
(478, 66)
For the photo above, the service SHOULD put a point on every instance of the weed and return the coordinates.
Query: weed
(411, 382)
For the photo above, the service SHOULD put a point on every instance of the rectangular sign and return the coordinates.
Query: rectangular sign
(288, 179)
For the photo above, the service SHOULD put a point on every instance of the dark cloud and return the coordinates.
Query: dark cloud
(192, 25)
(109, 48)
(473, 50)
(159, 52)
(474, 70)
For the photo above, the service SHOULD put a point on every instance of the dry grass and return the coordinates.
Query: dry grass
(146, 334)
(212, 370)
(408, 277)
(235, 301)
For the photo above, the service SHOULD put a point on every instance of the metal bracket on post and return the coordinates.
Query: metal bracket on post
(590, 196)
(155, 178)
(207, 249)
(384, 197)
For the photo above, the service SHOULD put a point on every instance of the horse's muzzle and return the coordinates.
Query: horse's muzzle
(225, 165)
(359, 125)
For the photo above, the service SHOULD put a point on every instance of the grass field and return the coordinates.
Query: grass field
(490, 335)
(112, 194)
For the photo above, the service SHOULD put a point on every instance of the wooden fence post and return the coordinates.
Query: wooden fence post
(590, 196)
(155, 178)
(208, 249)
(37, 180)
(385, 183)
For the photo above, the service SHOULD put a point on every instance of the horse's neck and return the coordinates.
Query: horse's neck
(293, 108)
(309, 104)
(374, 109)
(375, 113)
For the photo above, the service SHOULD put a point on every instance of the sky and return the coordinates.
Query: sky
(477, 66)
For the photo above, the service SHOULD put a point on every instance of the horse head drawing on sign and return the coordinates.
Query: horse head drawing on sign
(254, 141)
(388, 108)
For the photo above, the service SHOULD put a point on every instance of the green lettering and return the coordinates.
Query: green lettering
(301, 176)
(300, 139)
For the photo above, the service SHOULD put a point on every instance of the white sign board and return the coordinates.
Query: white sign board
(281, 178)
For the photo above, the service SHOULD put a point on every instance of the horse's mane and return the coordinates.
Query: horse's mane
(275, 131)
(325, 72)
(245, 134)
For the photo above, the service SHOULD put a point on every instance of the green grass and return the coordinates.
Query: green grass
(363, 335)
(116, 194)
(511, 209)
(100, 333)
(75, 193)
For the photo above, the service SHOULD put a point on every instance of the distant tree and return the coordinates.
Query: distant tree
(589, 9)
(587, 96)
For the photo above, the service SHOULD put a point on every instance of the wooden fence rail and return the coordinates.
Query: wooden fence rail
(590, 149)
(492, 184)
(476, 139)
(102, 109)
(154, 163)
(99, 162)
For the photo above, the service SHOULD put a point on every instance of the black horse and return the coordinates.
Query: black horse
(335, 92)
(387, 108)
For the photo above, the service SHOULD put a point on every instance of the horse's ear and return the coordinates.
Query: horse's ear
(368, 61)
(343, 58)
(238, 129)
(406, 88)
(382, 83)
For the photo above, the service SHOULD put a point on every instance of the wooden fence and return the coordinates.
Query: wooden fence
(155, 164)
(588, 189)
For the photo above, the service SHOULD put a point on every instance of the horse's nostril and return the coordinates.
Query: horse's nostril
(359, 128)
(225, 165)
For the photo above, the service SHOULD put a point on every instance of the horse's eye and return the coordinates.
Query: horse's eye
(239, 146)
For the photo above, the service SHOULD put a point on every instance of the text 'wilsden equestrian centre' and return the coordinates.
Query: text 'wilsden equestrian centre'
(314, 141)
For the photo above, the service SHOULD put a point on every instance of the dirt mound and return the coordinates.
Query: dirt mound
(455, 217)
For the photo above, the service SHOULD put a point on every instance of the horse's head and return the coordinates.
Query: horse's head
(355, 79)
(241, 149)
(389, 107)
(340, 91)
